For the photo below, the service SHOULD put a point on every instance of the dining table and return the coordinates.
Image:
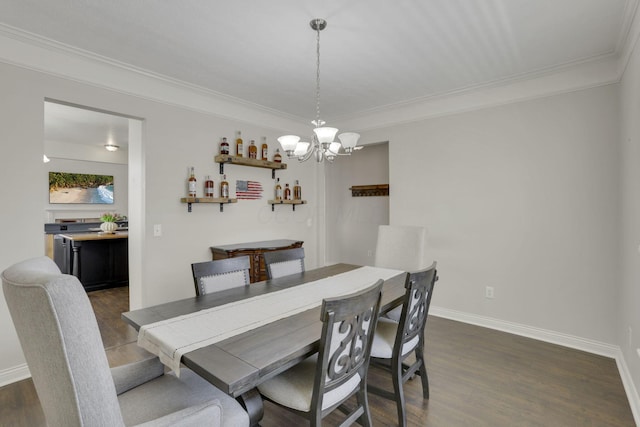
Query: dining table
(239, 363)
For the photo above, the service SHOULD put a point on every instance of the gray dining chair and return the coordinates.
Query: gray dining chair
(394, 342)
(221, 274)
(284, 262)
(59, 335)
(322, 383)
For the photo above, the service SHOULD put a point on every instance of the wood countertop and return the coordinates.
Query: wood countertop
(80, 237)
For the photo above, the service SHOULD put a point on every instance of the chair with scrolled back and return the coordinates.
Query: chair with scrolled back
(394, 342)
(322, 383)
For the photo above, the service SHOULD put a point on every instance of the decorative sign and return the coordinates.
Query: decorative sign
(248, 190)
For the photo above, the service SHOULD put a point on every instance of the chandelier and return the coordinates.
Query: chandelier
(322, 145)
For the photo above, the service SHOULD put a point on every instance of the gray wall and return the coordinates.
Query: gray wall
(523, 198)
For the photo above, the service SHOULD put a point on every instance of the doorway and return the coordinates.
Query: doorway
(86, 140)
(352, 222)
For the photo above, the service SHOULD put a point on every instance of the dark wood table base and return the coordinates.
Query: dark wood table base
(252, 403)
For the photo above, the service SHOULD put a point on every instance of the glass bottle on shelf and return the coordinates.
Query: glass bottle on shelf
(208, 187)
(239, 145)
(264, 148)
(224, 187)
(278, 195)
(191, 183)
(297, 191)
(253, 150)
(287, 192)
(277, 157)
(224, 146)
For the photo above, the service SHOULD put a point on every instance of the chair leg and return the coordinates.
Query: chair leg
(396, 375)
(423, 373)
(363, 402)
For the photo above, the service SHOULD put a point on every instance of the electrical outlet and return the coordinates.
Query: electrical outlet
(157, 230)
(369, 253)
(488, 292)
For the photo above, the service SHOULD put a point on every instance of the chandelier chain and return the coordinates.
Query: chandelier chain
(318, 76)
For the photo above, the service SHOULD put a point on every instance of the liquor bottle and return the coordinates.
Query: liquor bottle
(277, 157)
(287, 192)
(224, 187)
(191, 183)
(297, 191)
(239, 146)
(208, 187)
(224, 146)
(278, 190)
(265, 148)
(253, 150)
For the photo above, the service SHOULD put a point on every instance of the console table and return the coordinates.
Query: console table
(254, 250)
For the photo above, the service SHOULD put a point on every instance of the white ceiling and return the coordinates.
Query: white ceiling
(68, 124)
(374, 53)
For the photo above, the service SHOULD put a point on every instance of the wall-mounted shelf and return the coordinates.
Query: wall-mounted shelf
(286, 202)
(369, 190)
(245, 161)
(221, 200)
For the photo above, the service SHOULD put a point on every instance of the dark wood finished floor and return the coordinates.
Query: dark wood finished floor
(478, 377)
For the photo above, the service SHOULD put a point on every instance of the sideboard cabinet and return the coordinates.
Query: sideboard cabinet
(254, 250)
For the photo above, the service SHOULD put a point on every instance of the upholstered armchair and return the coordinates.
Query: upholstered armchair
(61, 342)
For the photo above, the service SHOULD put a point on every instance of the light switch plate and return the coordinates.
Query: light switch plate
(157, 230)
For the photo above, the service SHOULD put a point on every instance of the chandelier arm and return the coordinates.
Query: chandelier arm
(306, 156)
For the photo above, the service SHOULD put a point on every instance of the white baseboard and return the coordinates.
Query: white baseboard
(571, 341)
(629, 387)
(11, 375)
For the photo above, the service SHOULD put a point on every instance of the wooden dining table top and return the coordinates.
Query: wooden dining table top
(238, 364)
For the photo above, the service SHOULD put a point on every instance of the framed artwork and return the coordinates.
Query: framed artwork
(65, 187)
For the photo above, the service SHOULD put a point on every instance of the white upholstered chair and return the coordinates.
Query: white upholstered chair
(401, 247)
(221, 274)
(394, 342)
(61, 341)
(322, 383)
(284, 262)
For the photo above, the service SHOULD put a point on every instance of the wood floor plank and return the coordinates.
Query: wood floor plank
(478, 377)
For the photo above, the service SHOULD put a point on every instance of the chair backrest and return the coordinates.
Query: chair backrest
(401, 247)
(61, 341)
(345, 345)
(221, 274)
(284, 262)
(415, 309)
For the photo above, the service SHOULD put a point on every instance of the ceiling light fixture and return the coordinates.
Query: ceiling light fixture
(111, 147)
(322, 145)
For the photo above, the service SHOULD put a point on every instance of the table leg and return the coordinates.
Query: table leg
(76, 260)
(252, 403)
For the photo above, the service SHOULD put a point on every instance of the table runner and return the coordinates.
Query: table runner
(171, 338)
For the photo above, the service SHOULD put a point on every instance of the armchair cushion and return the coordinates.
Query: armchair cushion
(128, 376)
(206, 414)
(168, 394)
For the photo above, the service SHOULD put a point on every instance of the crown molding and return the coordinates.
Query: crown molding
(31, 51)
(36, 53)
(584, 75)
(579, 75)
